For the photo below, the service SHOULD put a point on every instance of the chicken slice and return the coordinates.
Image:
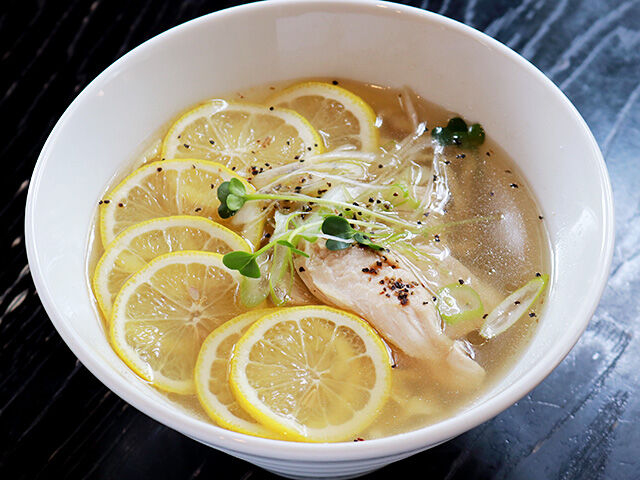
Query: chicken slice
(390, 297)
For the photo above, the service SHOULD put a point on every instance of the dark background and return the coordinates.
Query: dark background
(58, 421)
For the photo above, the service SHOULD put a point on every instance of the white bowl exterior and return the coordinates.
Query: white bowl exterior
(388, 44)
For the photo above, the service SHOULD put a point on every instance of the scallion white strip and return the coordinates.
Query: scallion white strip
(513, 307)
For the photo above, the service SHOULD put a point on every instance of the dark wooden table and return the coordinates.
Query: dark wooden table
(57, 421)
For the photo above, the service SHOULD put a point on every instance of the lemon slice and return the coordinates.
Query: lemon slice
(311, 373)
(165, 311)
(141, 243)
(247, 138)
(173, 187)
(212, 376)
(340, 116)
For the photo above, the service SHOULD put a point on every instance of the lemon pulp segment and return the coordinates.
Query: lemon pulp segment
(311, 373)
(138, 245)
(173, 187)
(212, 376)
(340, 116)
(247, 138)
(164, 312)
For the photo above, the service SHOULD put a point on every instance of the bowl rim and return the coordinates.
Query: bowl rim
(404, 443)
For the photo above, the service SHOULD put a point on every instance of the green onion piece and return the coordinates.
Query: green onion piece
(513, 307)
(458, 303)
(281, 276)
(254, 291)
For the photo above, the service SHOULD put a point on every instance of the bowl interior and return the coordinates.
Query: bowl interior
(387, 44)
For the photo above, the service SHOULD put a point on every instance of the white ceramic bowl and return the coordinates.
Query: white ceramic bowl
(384, 43)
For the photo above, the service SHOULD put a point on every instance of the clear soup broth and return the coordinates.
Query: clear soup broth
(447, 207)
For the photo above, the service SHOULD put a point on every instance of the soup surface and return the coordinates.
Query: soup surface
(413, 243)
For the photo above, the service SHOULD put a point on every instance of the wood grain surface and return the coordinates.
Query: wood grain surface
(57, 421)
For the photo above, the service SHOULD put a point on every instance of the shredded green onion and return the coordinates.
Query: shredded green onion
(512, 308)
(458, 303)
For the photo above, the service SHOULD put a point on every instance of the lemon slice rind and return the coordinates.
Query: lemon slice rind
(248, 398)
(362, 111)
(123, 241)
(117, 331)
(116, 198)
(242, 151)
(220, 412)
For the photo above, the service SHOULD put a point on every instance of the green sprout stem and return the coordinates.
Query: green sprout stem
(338, 230)
(232, 195)
(339, 235)
(288, 236)
(329, 203)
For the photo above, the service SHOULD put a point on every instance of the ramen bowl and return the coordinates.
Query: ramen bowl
(382, 43)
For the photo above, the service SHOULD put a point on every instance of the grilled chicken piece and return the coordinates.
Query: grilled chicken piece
(390, 297)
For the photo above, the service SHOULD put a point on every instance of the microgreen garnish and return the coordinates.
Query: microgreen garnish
(232, 197)
(333, 226)
(247, 264)
(458, 133)
(338, 231)
(340, 227)
(244, 262)
(290, 246)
